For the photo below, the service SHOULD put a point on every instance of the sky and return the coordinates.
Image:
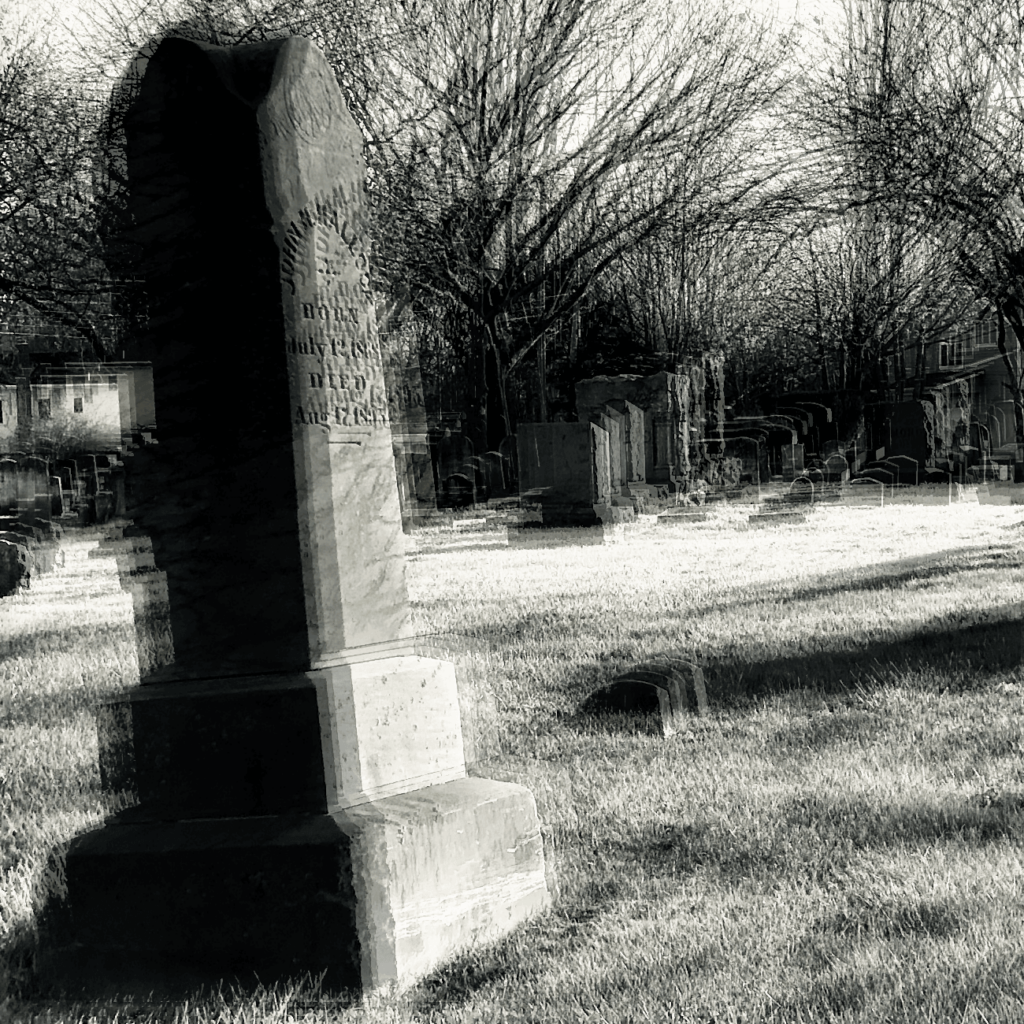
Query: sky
(64, 15)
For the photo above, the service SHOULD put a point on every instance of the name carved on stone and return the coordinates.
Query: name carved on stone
(332, 345)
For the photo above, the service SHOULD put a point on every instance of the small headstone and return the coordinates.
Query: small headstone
(56, 497)
(8, 487)
(104, 506)
(792, 460)
(565, 468)
(671, 686)
(14, 567)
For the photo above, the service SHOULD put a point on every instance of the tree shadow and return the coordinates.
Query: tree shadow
(887, 576)
(972, 651)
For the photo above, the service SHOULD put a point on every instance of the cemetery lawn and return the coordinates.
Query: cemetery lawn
(840, 839)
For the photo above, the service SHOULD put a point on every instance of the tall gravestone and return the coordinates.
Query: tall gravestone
(297, 769)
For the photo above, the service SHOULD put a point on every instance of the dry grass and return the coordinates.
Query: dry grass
(838, 841)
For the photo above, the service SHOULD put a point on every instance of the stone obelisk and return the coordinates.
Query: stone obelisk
(296, 768)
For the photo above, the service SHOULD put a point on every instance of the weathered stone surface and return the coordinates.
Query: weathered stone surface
(609, 422)
(600, 452)
(619, 438)
(248, 193)
(364, 895)
(635, 432)
(665, 428)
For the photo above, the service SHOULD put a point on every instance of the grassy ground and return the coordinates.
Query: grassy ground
(840, 840)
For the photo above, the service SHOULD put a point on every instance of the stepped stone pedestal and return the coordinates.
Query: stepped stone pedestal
(294, 768)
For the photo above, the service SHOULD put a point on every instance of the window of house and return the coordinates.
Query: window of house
(943, 355)
(44, 408)
(958, 353)
(78, 404)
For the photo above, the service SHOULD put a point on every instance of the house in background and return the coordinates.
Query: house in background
(100, 407)
(950, 403)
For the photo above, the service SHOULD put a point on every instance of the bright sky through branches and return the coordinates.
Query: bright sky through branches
(62, 20)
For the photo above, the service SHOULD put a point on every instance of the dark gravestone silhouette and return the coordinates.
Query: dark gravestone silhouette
(297, 768)
(56, 496)
(8, 487)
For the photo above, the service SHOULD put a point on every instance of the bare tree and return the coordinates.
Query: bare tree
(504, 139)
(925, 97)
(507, 176)
(50, 259)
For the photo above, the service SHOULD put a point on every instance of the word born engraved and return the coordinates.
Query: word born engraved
(341, 314)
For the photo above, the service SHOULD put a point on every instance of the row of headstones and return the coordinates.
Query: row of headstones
(92, 485)
(587, 472)
(463, 478)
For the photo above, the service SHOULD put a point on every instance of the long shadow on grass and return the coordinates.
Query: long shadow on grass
(889, 576)
(960, 657)
(33, 700)
(991, 990)
(813, 836)
(88, 637)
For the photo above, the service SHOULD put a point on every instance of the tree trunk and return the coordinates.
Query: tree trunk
(497, 377)
(476, 426)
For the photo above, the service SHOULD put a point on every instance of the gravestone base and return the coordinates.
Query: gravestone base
(567, 514)
(542, 535)
(379, 892)
(636, 489)
(611, 514)
(301, 742)
(685, 515)
(762, 519)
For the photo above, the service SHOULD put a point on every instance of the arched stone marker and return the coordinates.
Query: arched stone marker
(301, 798)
